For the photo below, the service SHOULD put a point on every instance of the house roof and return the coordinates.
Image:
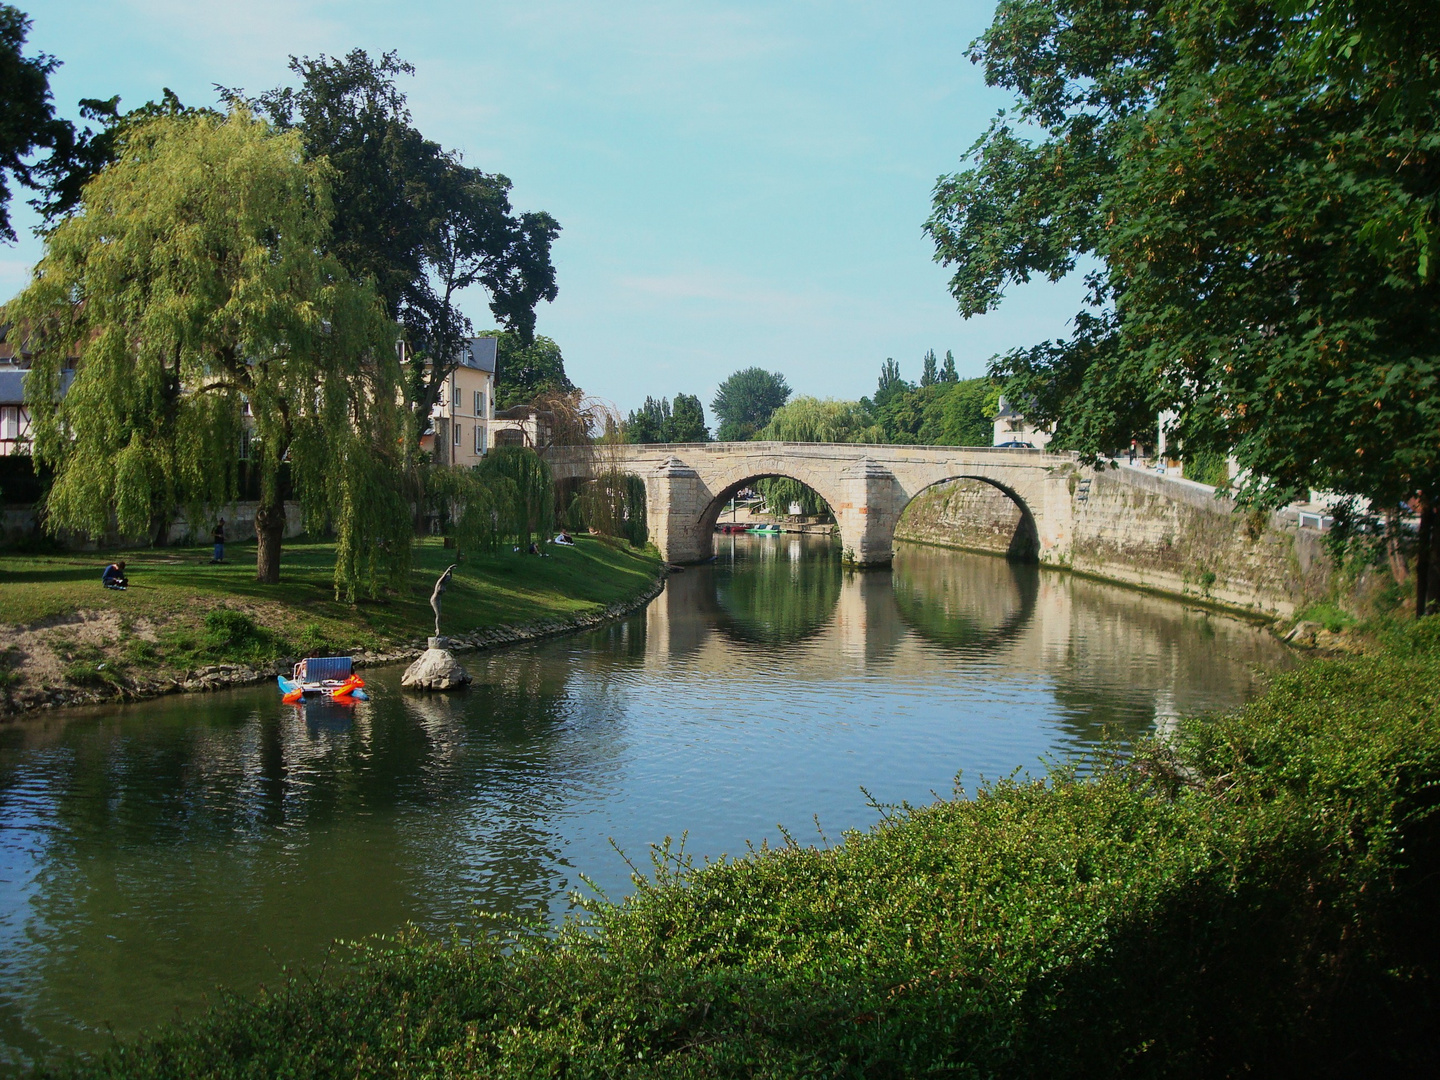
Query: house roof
(479, 353)
(12, 387)
(12, 384)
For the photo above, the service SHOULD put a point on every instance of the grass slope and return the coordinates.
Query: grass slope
(1255, 898)
(180, 610)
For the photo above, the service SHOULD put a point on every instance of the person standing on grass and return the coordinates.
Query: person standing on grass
(219, 538)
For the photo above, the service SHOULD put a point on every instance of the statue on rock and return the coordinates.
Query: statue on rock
(436, 669)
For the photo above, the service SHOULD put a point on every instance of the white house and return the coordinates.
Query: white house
(1012, 427)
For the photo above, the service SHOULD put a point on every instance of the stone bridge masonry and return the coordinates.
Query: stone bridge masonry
(867, 486)
(1123, 524)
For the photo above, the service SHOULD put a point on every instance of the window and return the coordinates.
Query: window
(480, 438)
(480, 403)
(456, 401)
(457, 431)
(9, 422)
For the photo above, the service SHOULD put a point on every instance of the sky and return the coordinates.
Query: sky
(738, 184)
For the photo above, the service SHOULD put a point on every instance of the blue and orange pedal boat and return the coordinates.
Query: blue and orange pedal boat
(326, 676)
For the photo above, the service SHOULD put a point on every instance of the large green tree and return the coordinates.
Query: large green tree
(650, 423)
(193, 284)
(658, 422)
(745, 401)
(820, 420)
(527, 370)
(1257, 218)
(27, 115)
(687, 420)
(412, 216)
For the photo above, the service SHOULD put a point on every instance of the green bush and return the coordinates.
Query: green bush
(1255, 896)
(1329, 616)
(1207, 467)
(233, 636)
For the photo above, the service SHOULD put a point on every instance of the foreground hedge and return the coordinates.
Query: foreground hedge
(1257, 897)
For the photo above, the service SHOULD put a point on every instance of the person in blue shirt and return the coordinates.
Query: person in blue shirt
(114, 577)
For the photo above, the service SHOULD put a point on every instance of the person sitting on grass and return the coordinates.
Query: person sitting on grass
(114, 576)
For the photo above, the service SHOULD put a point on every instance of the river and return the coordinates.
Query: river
(151, 852)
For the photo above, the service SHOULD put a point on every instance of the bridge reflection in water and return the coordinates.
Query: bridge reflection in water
(1112, 657)
(151, 852)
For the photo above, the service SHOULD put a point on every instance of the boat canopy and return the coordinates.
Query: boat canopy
(320, 668)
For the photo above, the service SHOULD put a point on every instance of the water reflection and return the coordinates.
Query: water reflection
(148, 853)
(964, 603)
(787, 588)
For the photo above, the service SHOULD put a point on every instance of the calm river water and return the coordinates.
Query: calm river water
(149, 853)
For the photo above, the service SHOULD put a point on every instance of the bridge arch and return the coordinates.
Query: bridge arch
(1024, 544)
(710, 516)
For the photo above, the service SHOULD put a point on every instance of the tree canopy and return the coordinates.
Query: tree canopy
(820, 420)
(27, 116)
(524, 372)
(412, 216)
(657, 422)
(1260, 212)
(745, 401)
(192, 283)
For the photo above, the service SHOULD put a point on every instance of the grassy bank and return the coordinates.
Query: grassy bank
(61, 628)
(1254, 898)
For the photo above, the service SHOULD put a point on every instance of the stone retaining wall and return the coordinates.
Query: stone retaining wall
(1156, 532)
(19, 523)
(1175, 536)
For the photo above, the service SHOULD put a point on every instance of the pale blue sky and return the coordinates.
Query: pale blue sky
(739, 183)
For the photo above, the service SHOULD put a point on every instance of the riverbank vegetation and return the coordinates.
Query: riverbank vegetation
(179, 613)
(1253, 896)
(1251, 192)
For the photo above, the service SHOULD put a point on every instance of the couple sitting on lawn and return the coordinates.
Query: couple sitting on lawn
(114, 576)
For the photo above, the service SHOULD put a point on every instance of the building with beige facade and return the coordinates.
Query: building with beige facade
(461, 420)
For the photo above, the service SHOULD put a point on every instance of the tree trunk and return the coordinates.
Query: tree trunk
(269, 531)
(1422, 555)
(1433, 602)
(1395, 548)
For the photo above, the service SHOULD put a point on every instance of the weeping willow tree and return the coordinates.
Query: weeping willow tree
(613, 504)
(532, 491)
(779, 492)
(193, 287)
(478, 508)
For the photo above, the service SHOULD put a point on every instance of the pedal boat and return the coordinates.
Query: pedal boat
(323, 676)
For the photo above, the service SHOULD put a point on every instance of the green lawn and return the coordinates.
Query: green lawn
(174, 594)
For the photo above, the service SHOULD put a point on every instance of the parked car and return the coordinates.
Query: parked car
(1015, 446)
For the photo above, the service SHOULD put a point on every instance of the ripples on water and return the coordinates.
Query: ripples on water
(150, 852)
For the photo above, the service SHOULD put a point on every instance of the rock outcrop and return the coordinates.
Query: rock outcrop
(437, 669)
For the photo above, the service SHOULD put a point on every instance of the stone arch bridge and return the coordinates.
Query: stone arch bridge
(867, 487)
(1126, 524)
